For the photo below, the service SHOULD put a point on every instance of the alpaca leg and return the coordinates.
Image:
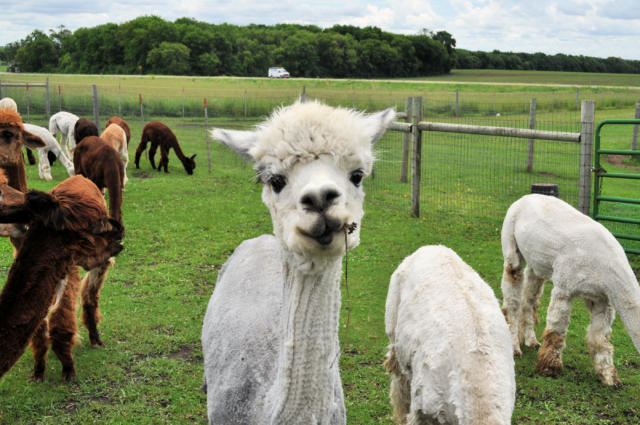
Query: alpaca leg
(400, 388)
(63, 327)
(164, 158)
(555, 334)
(598, 334)
(39, 347)
(532, 289)
(141, 147)
(91, 285)
(152, 155)
(44, 168)
(30, 157)
(125, 161)
(511, 291)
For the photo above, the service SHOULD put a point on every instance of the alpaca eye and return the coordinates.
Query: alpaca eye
(277, 182)
(356, 177)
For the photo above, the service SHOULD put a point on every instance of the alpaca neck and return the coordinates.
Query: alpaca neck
(304, 391)
(178, 151)
(16, 176)
(29, 291)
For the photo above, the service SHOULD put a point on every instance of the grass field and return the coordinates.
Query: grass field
(181, 229)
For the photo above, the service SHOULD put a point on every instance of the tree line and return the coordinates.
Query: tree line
(152, 45)
(496, 59)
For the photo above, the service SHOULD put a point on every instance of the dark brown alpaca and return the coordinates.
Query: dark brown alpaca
(67, 227)
(84, 128)
(122, 123)
(161, 135)
(99, 162)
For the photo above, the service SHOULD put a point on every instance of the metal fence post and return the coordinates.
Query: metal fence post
(96, 113)
(406, 144)
(119, 102)
(634, 140)
(47, 100)
(0, 89)
(532, 125)
(416, 117)
(303, 95)
(457, 105)
(141, 110)
(587, 119)
(59, 98)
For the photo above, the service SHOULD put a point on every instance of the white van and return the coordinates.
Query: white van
(278, 72)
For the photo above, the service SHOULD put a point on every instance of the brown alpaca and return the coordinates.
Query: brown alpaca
(84, 128)
(161, 135)
(68, 227)
(122, 123)
(99, 162)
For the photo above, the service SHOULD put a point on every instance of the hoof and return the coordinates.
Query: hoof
(37, 378)
(68, 375)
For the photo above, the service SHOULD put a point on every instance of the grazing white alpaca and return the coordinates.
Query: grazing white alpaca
(7, 102)
(64, 122)
(270, 334)
(44, 167)
(583, 259)
(450, 355)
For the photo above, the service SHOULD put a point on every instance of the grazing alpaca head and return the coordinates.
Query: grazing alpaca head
(84, 128)
(312, 159)
(189, 163)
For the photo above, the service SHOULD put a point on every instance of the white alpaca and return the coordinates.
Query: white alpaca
(64, 122)
(450, 355)
(583, 259)
(270, 334)
(44, 167)
(7, 102)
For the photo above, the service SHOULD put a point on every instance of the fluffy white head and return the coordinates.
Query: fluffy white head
(312, 159)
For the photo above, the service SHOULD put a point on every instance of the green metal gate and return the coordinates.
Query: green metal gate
(601, 175)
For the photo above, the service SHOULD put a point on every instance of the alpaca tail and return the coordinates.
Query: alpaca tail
(628, 307)
(53, 127)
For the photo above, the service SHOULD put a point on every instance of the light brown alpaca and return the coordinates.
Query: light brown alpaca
(67, 228)
(116, 137)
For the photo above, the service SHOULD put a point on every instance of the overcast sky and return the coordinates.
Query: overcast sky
(599, 28)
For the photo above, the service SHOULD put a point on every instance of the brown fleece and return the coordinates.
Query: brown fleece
(550, 354)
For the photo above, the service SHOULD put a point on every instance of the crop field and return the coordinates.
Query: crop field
(180, 229)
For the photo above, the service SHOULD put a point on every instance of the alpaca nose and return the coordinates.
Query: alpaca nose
(319, 200)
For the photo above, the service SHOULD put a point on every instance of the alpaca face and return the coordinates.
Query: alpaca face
(189, 164)
(12, 137)
(311, 159)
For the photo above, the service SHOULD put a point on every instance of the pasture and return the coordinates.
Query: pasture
(180, 229)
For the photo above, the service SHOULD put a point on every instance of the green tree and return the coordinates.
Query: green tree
(37, 53)
(168, 58)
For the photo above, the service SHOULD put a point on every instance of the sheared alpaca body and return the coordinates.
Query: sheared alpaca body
(116, 137)
(159, 135)
(52, 145)
(64, 123)
(270, 334)
(67, 228)
(583, 259)
(8, 103)
(100, 163)
(123, 124)
(449, 356)
(84, 128)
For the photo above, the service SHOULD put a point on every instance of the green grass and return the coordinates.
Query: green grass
(181, 229)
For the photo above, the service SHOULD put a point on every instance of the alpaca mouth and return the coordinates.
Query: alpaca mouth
(323, 230)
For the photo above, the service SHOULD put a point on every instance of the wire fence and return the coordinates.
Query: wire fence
(461, 174)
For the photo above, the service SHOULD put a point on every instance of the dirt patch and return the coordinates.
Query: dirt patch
(141, 174)
(618, 161)
(183, 353)
(547, 175)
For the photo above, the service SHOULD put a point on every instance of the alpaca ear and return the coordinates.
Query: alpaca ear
(193, 156)
(107, 225)
(32, 141)
(378, 122)
(240, 141)
(46, 208)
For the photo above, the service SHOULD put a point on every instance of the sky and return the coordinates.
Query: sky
(600, 28)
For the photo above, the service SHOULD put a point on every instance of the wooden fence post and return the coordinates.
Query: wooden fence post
(634, 141)
(28, 103)
(96, 112)
(205, 102)
(532, 125)
(59, 98)
(587, 119)
(119, 102)
(0, 89)
(416, 117)
(47, 102)
(406, 144)
(245, 103)
(141, 109)
(303, 95)
(457, 105)
(206, 130)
